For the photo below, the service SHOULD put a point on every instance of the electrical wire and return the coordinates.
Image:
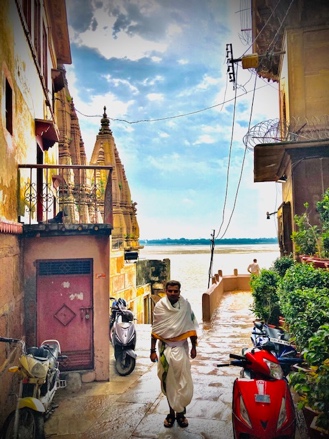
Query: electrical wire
(262, 29)
(277, 32)
(251, 111)
(228, 164)
(242, 166)
(175, 116)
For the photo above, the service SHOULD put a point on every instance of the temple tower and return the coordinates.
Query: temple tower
(125, 233)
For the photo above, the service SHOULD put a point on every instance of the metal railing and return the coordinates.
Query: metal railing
(71, 194)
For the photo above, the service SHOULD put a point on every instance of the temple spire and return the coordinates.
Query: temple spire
(105, 124)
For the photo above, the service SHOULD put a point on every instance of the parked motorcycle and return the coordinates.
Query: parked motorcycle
(263, 333)
(262, 405)
(123, 337)
(39, 378)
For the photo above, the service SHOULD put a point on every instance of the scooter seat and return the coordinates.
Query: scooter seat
(127, 316)
(40, 353)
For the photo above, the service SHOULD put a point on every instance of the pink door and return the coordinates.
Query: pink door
(65, 309)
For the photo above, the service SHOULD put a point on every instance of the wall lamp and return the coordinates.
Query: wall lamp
(282, 179)
(268, 214)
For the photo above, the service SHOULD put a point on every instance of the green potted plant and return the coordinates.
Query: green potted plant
(306, 237)
(312, 383)
(311, 241)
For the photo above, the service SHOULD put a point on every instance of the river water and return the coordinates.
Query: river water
(190, 264)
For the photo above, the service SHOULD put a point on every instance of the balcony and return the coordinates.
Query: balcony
(65, 199)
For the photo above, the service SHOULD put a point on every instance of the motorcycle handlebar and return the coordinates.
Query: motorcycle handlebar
(237, 357)
(239, 363)
(9, 340)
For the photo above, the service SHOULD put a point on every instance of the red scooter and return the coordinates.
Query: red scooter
(262, 406)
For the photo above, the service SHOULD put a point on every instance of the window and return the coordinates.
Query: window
(26, 4)
(45, 55)
(9, 107)
(37, 32)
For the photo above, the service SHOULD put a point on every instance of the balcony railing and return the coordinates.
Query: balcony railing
(68, 194)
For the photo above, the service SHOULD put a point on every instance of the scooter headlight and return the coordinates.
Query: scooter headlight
(39, 370)
(34, 367)
(282, 414)
(274, 369)
(244, 414)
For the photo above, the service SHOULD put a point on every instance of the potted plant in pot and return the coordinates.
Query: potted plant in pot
(311, 241)
(312, 384)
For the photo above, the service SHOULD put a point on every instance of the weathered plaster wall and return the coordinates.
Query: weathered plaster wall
(308, 72)
(11, 313)
(73, 247)
(136, 282)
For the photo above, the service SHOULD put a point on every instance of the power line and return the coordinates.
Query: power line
(228, 164)
(253, 97)
(261, 31)
(171, 117)
(242, 167)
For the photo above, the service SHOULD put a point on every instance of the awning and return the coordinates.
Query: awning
(46, 132)
(58, 77)
(269, 158)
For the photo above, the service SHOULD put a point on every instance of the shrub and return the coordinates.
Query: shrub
(304, 301)
(265, 298)
(313, 384)
(282, 264)
(310, 239)
(309, 309)
(323, 209)
(303, 276)
(306, 236)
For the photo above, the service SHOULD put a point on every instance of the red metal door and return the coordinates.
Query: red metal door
(65, 309)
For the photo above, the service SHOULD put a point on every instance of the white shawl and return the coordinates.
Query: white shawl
(173, 323)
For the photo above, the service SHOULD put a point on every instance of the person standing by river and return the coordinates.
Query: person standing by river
(253, 268)
(173, 324)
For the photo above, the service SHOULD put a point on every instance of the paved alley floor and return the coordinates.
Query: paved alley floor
(133, 407)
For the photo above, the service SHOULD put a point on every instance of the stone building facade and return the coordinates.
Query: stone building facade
(292, 45)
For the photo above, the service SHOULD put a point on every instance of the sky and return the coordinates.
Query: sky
(160, 69)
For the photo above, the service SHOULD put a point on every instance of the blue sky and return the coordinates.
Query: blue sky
(159, 67)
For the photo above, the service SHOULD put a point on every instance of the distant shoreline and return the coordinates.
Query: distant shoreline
(204, 241)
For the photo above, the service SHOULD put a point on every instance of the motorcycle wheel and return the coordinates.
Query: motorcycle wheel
(124, 364)
(30, 425)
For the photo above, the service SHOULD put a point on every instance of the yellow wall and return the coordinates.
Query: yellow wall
(123, 284)
(308, 72)
(17, 66)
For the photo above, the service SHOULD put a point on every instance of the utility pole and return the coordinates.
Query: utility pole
(211, 256)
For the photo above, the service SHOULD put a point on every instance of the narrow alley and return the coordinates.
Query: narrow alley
(133, 407)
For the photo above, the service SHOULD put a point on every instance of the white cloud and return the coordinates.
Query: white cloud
(207, 81)
(205, 138)
(123, 46)
(155, 97)
(116, 82)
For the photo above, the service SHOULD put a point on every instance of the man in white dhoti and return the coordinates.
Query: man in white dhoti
(173, 324)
